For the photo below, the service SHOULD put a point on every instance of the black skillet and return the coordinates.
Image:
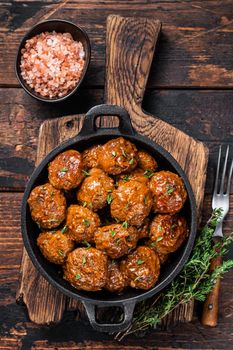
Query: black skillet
(90, 135)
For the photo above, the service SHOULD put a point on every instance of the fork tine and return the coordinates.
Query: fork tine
(229, 178)
(224, 170)
(217, 173)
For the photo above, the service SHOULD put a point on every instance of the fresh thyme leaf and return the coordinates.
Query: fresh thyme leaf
(60, 252)
(112, 233)
(109, 198)
(148, 173)
(170, 189)
(123, 153)
(145, 199)
(84, 204)
(140, 262)
(125, 178)
(86, 222)
(87, 244)
(84, 260)
(65, 228)
(194, 281)
(78, 276)
(125, 224)
(52, 193)
(131, 161)
(159, 239)
(86, 173)
(160, 228)
(63, 170)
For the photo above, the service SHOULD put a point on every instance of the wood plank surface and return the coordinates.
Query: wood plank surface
(204, 114)
(195, 47)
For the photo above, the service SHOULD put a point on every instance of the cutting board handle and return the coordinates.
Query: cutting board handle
(130, 45)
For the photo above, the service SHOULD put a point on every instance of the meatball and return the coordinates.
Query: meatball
(118, 156)
(90, 157)
(141, 268)
(132, 202)
(146, 162)
(168, 232)
(86, 269)
(168, 191)
(55, 246)
(96, 190)
(144, 229)
(136, 175)
(81, 223)
(115, 281)
(47, 206)
(116, 240)
(152, 245)
(66, 170)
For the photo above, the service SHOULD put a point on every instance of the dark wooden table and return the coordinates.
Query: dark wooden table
(190, 86)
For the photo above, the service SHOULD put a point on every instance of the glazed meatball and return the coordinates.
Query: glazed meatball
(116, 240)
(118, 156)
(66, 170)
(81, 223)
(168, 232)
(152, 245)
(47, 206)
(90, 157)
(115, 281)
(86, 269)
(141, 268)
(144, 229)
(132, 202)
(55, 246)
(146, 162)
(136, 175)
(96, 189)
(168, 191)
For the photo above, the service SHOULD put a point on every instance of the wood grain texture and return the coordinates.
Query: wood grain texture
(195, 47)
(127, 70)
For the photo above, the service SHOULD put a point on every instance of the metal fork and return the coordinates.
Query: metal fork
(221, 199)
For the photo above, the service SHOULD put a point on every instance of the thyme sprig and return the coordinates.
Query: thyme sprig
(195, 280)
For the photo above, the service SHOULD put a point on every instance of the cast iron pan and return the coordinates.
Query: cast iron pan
(88, 136)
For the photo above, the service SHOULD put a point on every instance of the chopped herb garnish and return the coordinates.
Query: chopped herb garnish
(116, 220)
(153, 244)
(170, 189)
(125, 178)
(78, 276)
(87, 244)
(84, 204)
(145, 199)
(137, 278)
(90, 205)
(112, 233)
(51, 193)
(63, 170)
(159, 239)
(60, 252)
(125, 224)
(123, 153)
(127, 205)
(109, 191)
(113, 153)
(65, 228)
(84, 260)
(131, 161)
(86, 222)
(140, 262)
(160, 228)
(148, 173)
(86, 173)
(109, 198)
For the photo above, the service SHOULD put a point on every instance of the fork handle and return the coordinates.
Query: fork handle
(210, 308)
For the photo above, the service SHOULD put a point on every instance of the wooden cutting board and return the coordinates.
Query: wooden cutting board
(130, 45)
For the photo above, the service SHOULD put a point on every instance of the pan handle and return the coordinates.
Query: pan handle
(128, 309)
(89, 124)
